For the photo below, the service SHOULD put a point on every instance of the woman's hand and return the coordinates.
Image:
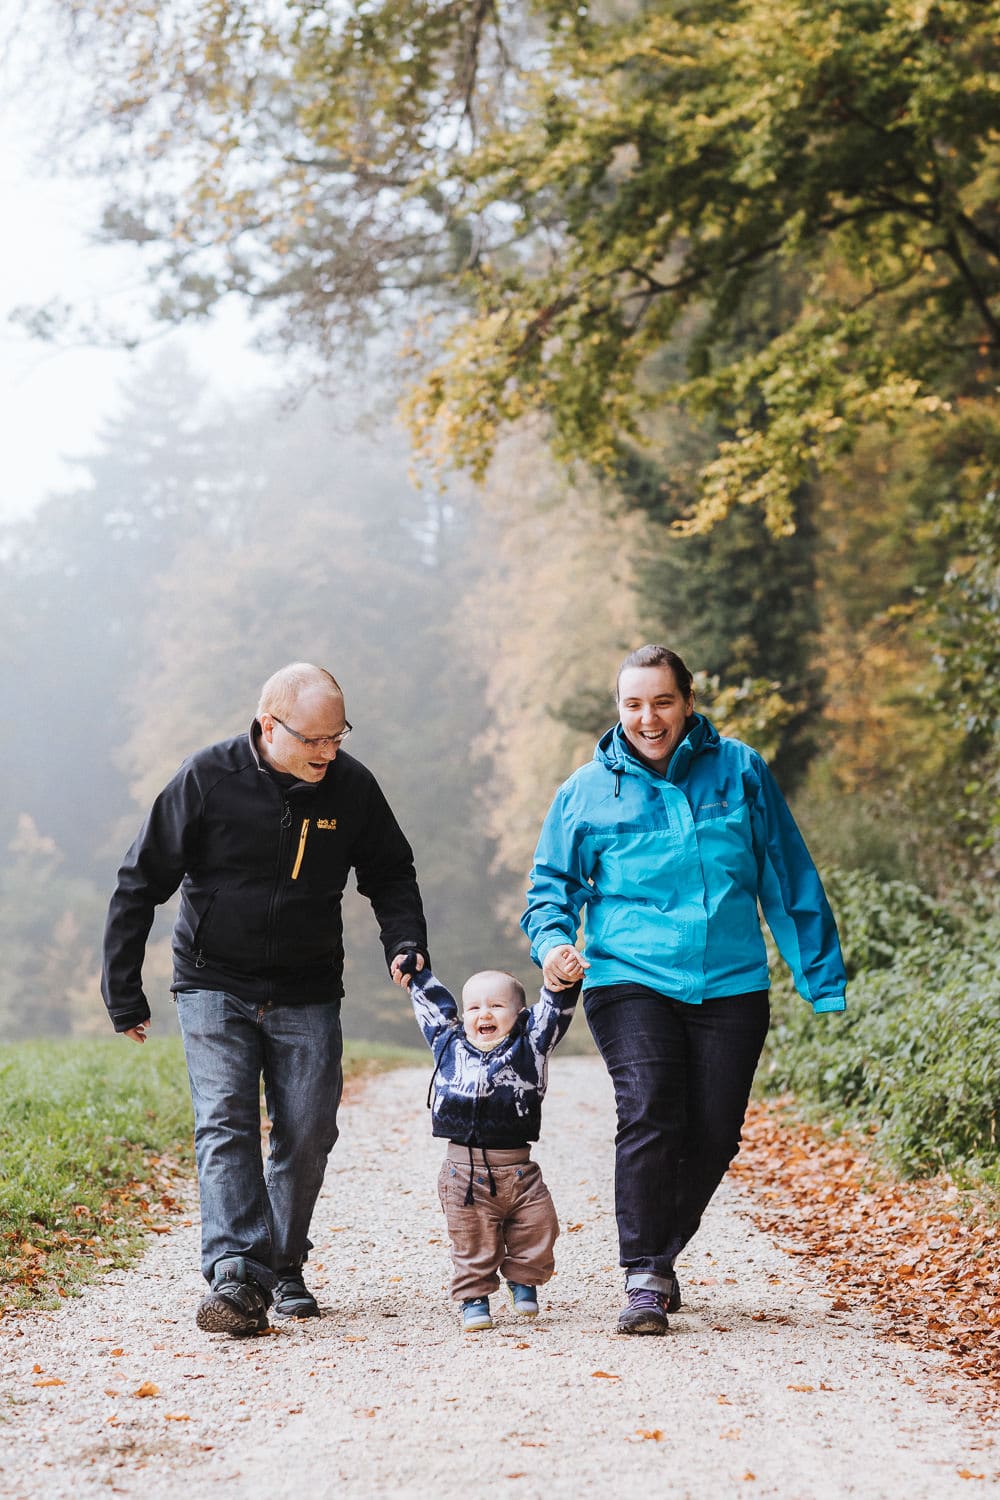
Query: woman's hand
(562, 967)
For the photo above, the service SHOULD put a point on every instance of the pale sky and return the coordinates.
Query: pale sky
(53, 401)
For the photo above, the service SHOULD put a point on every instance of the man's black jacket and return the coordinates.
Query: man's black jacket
(262, 868)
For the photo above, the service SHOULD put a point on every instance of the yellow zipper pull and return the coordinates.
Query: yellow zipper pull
(303, 831)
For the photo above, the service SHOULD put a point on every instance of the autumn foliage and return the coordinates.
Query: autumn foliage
(924, 1257)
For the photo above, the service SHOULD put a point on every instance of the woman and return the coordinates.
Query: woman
(670, 838)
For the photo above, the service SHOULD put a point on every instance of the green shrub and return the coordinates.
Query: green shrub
(916, 1057)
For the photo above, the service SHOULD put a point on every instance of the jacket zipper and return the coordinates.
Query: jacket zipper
(275, 901)
(303, 833)
(199, 934)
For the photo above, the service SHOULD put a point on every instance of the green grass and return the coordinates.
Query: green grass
(96, 1152)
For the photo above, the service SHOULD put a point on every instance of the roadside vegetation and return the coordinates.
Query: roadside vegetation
(96, 1154)
(915, 1061)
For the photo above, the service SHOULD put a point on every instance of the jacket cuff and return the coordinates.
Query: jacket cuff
(130, 1018)
(829, 1003)
(545, 945)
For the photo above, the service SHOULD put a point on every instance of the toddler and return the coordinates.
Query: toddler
(490, 1073)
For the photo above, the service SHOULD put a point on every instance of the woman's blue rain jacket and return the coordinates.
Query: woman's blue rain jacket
(670, 870)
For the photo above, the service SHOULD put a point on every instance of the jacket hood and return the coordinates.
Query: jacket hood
(614, 753)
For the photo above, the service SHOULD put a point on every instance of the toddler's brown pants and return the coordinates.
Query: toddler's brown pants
(510, 1234)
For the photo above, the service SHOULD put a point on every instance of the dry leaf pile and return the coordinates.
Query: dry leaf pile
(922, 1255)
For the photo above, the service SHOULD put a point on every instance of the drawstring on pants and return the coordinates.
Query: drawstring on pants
(469, 1199)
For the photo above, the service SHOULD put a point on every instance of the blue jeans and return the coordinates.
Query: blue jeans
(682, 1075)
(261, 1212)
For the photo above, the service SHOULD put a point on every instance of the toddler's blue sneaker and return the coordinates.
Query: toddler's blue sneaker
(523, 1299)
(476, 1314)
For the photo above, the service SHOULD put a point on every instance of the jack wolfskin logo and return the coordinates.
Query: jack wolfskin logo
(326, 822)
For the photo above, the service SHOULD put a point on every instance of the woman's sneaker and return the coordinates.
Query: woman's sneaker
(646, 1312)
(523, 1299)
(292, 1298)
(476, 1314)
(236, 1304)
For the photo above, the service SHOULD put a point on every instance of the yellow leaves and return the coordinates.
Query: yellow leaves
(147, 1389)
(650, 1435)
(49, 1380)
(603, 1375)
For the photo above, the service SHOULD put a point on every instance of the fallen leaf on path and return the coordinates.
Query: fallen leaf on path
(603, 1375)
(801, 1388)
(147, 1389)
(923, 1256)
(176, 1416)
(50, 1380)
(355, 1338)
(967, 1474)
(159, 1228)
(572, 1228)
(116, 1353)
(731, 1435)
(650, 1434)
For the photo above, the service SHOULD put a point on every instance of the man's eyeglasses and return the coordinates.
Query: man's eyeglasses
(316, 741)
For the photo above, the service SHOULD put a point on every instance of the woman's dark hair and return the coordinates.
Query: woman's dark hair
(658, 656)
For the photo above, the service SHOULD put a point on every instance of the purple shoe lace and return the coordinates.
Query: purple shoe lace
(644, 1299)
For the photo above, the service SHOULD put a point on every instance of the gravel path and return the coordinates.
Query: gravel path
(761, 1388)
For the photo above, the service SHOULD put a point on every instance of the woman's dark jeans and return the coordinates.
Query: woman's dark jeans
(682, 1075)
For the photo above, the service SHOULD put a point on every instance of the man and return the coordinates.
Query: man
(260, 833)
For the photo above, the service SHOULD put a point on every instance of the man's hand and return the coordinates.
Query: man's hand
(562, 967)
(137, 1033)
(403, 980)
